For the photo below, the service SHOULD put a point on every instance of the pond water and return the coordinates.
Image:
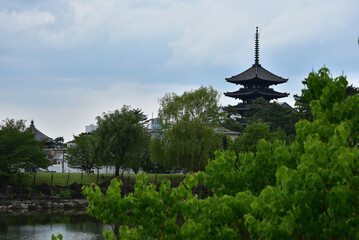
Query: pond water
(72, 224)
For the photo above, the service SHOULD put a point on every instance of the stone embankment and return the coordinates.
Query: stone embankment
(13, 205)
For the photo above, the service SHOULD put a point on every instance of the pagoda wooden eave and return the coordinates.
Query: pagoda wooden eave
(241, 107)
(253, 93)
(256, 75)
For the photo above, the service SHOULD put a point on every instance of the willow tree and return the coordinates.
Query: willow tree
(121, 137)
(200, 104)
(188, 122)
(81, 154)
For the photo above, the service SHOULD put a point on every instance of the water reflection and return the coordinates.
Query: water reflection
(72, 224)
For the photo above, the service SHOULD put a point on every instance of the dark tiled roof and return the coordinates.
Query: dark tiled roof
(226, 131)
(241, 107)
(256, 74)
(39, 136)
(244, 106)
(253, 93)
(285, 105)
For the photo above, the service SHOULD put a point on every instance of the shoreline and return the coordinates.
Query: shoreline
(36, 204)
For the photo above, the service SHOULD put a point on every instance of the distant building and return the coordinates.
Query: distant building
(155, 129)
(231, 134)
(285, 105)
(90, 128)
(50, 148)
(53, 150)
(256, 82)
(39, 136)
(58, 158)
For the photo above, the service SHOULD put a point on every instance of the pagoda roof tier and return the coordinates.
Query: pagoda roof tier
(39, 136)
(256, 75)
(241, 107)
(253, 93)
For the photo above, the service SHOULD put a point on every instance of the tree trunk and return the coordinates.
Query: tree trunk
(117, 171)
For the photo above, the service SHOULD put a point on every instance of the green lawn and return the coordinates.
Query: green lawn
(63, 179)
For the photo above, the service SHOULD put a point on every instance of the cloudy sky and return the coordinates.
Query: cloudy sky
(64, 62)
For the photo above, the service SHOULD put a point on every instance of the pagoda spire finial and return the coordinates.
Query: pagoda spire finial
(256, 49)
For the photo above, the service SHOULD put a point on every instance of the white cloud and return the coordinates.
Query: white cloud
(17, 21)
(64, 113)
(156, 41)
(197, 32)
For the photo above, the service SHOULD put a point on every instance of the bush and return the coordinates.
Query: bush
(52, 192)
(65, 194)
(40, 196)
(308, 190)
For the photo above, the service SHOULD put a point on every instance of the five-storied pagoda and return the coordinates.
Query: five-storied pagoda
(256, 81)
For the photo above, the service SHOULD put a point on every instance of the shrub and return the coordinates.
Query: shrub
(65, 194)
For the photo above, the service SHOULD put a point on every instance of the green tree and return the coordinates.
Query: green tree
(81, 154)
(276, 115)
(149, 166)
(157, 154)
(19, 149)
(187, 145)
(200, 104)
(318, 199)
(303, 101)
(308, 190)
(351, 91)
(231, 119)
(122, 138)
(188, 121)
(58, 143)
(302, 104)
(255, 131)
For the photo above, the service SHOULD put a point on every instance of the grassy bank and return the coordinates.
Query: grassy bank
(65, 179)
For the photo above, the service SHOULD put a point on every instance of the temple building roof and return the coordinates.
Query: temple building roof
(256, 75)
(253, 93)
(39, 136)
(241, 107)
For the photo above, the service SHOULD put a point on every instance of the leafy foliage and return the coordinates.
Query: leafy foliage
(81, 154)
(19, 149)
(57, 143)
(228, 175)
(57, 236)
(149, 166)
(314, 90)
(154, 212)
(274, 114)
(308, 190)
(253, 132)
(186, 146)
(200, 104)
(189, 137)
(65, 194)
(122, 139)
(231, 119)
